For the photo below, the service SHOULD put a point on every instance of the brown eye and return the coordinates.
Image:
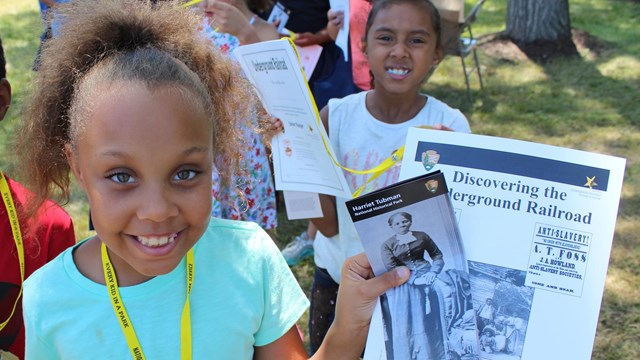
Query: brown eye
(183, 175)
(121, 178)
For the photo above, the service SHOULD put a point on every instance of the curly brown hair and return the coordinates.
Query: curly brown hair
(110, 40)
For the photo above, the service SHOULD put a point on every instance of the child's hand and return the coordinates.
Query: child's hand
(308, 38)
(272, 127)
(439, 126)
(357, 296)
(228, 19)
(336, 18)
(336, 21)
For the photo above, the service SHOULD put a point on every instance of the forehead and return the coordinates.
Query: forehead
(403, 16)
(130, 111)
(399, 218)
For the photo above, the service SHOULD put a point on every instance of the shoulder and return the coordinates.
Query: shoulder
(350, 107)
(421, 234)
(347, 101)
(448, 116)
(236, 242)
(39, 287)
(390, 242)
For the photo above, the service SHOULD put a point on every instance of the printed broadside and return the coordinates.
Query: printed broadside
(537, 223)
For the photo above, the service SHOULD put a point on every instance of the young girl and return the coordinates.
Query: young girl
(229, 24)
(139, 108)
(402, 45)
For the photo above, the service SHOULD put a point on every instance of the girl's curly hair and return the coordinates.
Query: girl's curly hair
(113, 40)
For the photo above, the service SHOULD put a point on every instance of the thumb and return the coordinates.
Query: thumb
(380, 284)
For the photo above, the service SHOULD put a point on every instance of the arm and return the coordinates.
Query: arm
(307, 38)
(357, 296)
(230, 20)
(328, 224)
(388, 257)
(265, 30)
(288, 347)
(433, 250)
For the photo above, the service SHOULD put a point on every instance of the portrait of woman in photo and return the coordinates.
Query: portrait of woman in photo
(415, 331)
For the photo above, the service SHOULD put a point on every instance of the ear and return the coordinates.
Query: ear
(73, 164)
(437, 57)
(5, 97)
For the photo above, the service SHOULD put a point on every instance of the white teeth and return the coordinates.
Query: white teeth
(153, 241)
(398, 71)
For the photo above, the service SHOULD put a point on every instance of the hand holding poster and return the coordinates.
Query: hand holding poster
(537, 223)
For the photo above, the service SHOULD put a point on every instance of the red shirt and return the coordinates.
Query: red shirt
(358, 14)
(53, 233)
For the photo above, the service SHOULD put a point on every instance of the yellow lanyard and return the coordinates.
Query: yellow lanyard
(375, 171)
(17, 237)
(123, 317)
(192, 2)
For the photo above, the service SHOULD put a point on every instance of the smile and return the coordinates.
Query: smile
(398, 71)
(156, 241)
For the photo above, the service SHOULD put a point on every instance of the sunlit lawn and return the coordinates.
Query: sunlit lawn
(589, 103)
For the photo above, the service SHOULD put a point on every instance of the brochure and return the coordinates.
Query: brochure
(537, 223)
(411, 223)
(280, 14)
(302, 153)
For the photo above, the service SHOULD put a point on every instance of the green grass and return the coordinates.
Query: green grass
(590, 103)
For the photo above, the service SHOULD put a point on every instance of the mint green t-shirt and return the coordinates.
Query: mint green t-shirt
(244, 295)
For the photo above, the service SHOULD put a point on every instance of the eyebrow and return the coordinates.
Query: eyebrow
(386, 29)
(189, 151)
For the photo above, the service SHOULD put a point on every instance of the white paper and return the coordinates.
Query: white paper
(302, 205)
(342, 40)
(549, 244)
(301, 158)
(279, 13)
(309, 56)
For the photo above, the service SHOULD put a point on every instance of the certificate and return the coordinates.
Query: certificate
(302, 153)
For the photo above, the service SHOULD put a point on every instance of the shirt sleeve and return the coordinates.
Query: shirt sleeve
(284, 300)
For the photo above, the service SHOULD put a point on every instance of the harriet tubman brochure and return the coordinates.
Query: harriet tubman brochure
(537, 222)
(412, 223)
(302, 154)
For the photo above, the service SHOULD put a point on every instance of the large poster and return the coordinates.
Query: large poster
(537, 223)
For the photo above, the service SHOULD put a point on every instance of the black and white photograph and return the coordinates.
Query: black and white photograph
(431, 316)
(503, 305)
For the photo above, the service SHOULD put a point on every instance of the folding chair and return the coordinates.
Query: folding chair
(457, 37)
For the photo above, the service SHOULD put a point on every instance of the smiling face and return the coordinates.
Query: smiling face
(401, 48)
(145, 160)
(400, 224)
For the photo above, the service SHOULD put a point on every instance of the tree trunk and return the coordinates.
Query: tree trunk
(541, 28)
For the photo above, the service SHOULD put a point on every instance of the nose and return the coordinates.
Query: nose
(157, 204)
(399, 50)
